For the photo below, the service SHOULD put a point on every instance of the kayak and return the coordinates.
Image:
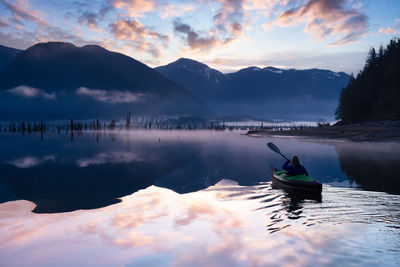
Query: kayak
(296, 183)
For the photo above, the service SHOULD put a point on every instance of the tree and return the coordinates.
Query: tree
(375, 93)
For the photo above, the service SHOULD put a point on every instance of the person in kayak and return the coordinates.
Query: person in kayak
(294, 167)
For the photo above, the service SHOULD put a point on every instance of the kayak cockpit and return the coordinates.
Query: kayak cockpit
(295, 183)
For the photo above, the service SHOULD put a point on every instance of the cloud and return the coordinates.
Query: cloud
(325, 18)
(113, 96)
(31, 92)
(176, 11)
(228, 26)
(388, 30)
(139, 36)
(138, 8)
(28, 27)
(133, 30)
(267, 7)
(220, 61)
(391, 30)
(90, 19)
(21, 11)
(193, 38)
(105, 158)
(29, 162)
(134, 8)
(3, 23)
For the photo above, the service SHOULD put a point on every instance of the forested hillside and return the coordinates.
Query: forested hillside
(374, 94)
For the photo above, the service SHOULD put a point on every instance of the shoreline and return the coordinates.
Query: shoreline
(387, 131)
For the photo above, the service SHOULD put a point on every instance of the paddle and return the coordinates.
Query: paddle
(274, 148)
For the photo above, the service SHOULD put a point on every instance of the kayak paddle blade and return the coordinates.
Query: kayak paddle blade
(273, 147)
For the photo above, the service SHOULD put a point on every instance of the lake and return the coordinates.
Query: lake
(193, 198)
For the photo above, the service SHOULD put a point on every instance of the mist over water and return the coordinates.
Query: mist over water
(193, 198)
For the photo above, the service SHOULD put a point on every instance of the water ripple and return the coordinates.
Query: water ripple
(337, 206)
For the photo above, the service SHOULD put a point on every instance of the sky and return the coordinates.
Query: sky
(227, 35)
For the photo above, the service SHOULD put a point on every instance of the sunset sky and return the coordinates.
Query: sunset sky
(225, 34)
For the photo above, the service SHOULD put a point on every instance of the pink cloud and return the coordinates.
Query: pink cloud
(388, 30)
(133, 30)
(176, 10)
(134, 8)
(391, 30)
(266, 7)
(325, 18)
(21, 10)
(139, 36)
(28, 26)
(3, 23)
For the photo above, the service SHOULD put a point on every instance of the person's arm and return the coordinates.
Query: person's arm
(304, 170)
(286, 166)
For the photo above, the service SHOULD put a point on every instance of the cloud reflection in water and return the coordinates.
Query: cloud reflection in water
(223, 225)
(28, 162)
(113, 157)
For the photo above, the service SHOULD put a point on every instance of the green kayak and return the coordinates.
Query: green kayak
(296, 183)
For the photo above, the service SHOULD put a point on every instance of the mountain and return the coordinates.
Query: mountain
(200, 79)
(62, 80)
(268, 93)
(7, 55)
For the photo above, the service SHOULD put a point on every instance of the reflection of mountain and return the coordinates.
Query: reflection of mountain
(53, 79)
(58, 176)
(374, 167)
(67, 184)
(261, 92)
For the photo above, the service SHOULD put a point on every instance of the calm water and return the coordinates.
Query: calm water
(193, 198)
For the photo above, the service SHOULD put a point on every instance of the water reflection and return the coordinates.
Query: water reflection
(94, 172)
(225, 224)
(373, 166)
(60, 176)
(177, 198)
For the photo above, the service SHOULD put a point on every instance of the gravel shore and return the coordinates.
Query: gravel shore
(360, 132)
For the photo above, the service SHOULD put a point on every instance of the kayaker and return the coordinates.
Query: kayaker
(294, 167)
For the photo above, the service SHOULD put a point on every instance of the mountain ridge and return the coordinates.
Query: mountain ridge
(100, 80)
(7, 55)
(256, 91)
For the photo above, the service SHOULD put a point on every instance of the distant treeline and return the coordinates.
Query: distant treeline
(374, 95)
(73, 127)
(24, 127)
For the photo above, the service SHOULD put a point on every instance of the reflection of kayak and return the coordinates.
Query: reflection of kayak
(296, 183)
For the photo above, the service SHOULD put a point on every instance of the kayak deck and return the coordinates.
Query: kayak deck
(296, 183)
